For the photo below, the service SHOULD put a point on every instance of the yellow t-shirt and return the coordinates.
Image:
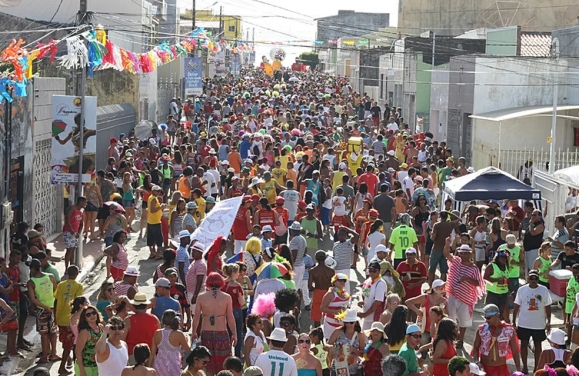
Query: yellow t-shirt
(337, 181)
(201, 206)
(66, 291)
(279, 175)
(268, 189)
(153, 218)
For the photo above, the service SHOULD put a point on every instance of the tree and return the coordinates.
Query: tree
(310, 59)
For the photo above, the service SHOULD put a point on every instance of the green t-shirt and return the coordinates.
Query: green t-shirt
(571, 292)
(52, 270)
(409, 355)
(403, 237)
(515, 252)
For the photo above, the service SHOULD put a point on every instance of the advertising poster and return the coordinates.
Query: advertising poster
(235, 64)
(193, 76)
(65, 163)
(216, 61)
(218, 221)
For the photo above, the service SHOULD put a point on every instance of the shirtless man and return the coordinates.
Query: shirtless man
(216, 308)
(411, 152)
(319, 282)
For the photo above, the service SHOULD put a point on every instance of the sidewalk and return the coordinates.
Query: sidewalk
(92, 252)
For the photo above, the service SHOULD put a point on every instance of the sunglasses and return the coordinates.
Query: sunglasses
(417, 336)
(119, 327)
(341, 280)
(301, 341)
(489, 317)
(89, 314)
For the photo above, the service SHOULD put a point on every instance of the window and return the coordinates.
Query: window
(232, 28)
(381, 86)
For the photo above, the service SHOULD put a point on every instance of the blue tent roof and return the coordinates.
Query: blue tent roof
(489, 184)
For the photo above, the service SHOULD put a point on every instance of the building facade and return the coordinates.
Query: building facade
(348, 23)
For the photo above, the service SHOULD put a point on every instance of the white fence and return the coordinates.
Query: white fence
(512, 160)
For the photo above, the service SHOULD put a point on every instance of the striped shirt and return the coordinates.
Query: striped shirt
(121, 288)
(343, 254)
(464, 292)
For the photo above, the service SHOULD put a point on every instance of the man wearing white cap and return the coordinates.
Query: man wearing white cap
(412, 274)
(374, 295)
(533, 306)
(461, 366)
(182, 259)
(195, 277)
(276, 361)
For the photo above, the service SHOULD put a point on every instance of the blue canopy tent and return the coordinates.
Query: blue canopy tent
(490, 184)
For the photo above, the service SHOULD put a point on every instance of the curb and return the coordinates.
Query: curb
(86, 271)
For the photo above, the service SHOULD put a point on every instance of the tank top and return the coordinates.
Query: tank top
(121, 288)
(337, 302)
(480, 236)
(122, 261)
(233, 159)
(270, 191)
(496, 244)
(75, 221)
(88, 353)
(223, 152)
(315, 188)
(168, 359)
(544, 268)
(373, 359)
(166, 171)
(117, 361)
(178, 169)
(185, 192)
(239, 227)
(44, 290)
(419, 220)
(558, 362)
(442, 369)
(143, 327)
(128, 195)
(114, 227)
(496, 287)
(153, 218)
(258, 346)
(178, 224)
(311, 225)
(322, 355)
(515, 255)
(265, 218)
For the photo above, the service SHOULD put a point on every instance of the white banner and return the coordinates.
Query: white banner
(218, 221)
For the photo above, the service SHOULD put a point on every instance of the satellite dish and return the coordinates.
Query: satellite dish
(9, 3)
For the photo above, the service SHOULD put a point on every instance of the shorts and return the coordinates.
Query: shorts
(108, 241)
(458, 311)
(144, 205)
(66, 337)
(530, 257)
(128, 203)
(45, 322)
(437, 259)
(376, 121)
(337, 221)
(526, 334)
(480, 254)
(103, 212)
(172, 133)
(70, 241)
(500, 300)
(166, 184)
(316, 312)
(154, 235)
(428, 246)
(325, 216)
(90, 207)
(117, 273)
(10, 326)
(15, 305)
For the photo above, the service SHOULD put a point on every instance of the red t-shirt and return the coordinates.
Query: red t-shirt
(520, 216)
(417, 271)
(371, 181)
(235, 291)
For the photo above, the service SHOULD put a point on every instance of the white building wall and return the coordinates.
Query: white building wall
(439, 103)
(509, 82)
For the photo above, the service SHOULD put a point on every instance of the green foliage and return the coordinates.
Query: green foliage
(310, 59)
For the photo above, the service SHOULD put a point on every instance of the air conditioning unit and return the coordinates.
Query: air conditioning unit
(159, 9)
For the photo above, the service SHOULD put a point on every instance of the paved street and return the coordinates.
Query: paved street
(138, 256)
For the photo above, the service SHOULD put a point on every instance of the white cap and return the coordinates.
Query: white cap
(381, 248)
(465, 248)
(411, 250)
(511, 239)
(390, 153)
(184, 234)
(278, 334)
(473, 368)
(437, 283)
(342, 166)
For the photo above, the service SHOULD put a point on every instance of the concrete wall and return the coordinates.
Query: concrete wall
(456, 17)
(350, 24)
(503, 41)
(507, 82)
(112, 120)
(439, 89)
(460, 105)
(568, 41)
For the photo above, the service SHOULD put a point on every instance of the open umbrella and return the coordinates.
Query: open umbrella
(119, 207)
(271, 270)
(58, 126)
(144, 129)
(294, 79)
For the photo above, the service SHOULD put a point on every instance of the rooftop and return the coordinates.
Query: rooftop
(535, 44)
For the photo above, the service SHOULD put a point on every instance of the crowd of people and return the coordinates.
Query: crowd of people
(313, 160)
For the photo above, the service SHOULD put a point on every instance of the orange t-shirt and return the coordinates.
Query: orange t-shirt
(293, 176)
(234, 158)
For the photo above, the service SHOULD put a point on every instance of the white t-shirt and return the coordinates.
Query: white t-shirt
(374, 239)
(401, 176)
(210, 181)
(339, 205)
(392, 127)
(276, 363)
(376, 294)
(532, 303)
(291, 198)
(407, 184)
(216, 177)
